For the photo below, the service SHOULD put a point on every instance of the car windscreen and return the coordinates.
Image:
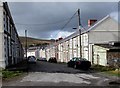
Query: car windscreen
(83, 59)
(77, 59)
(31, 58)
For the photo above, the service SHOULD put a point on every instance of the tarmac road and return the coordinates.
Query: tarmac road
(52, 74)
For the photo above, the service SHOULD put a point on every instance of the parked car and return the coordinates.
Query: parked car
(80, 63)
(52, 60)
(42, 59)
(31, 59)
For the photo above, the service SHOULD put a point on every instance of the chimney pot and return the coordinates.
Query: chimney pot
(91, 22)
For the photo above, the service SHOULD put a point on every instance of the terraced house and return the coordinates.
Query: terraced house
(97, 43)
(10, 46)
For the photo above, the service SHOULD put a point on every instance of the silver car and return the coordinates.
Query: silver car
(31, 59)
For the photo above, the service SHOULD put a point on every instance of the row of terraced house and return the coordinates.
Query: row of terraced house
(99, 43)
(10, 46)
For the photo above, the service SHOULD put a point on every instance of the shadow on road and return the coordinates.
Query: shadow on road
(22, 66)
(41, 66)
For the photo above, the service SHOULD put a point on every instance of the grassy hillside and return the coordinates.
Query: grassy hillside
(34, 41)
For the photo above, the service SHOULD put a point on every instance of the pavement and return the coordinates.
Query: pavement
(22, 66)
(59, 77)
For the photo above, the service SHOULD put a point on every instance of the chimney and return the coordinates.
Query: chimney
(91, 22)
(60, 38)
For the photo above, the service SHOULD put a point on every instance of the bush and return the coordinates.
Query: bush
(102, 68)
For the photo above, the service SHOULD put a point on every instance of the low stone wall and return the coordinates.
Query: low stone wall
(112, 57)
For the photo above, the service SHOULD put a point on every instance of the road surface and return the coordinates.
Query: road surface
(52, 74)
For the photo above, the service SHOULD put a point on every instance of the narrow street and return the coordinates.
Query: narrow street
(52, 74)
(81, 33)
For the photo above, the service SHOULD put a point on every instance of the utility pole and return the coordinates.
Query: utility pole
(79, 24)
(56, 49)
(26, 42)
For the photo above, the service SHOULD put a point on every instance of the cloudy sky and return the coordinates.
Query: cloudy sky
(46, 20)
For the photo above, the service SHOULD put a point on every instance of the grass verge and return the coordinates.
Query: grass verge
(113, 73)
(10, 74)
(107, 70)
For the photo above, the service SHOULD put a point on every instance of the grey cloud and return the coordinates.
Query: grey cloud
(50, 12)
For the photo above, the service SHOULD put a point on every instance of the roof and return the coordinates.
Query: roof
(108, 46)
(97, 23)
(84, 30)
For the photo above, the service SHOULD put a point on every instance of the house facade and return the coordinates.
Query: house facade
(38, 52)
(10, 46)
(105, 54)
(101, 32)
(50, 51)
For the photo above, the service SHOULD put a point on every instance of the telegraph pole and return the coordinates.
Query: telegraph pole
(26, 42)
(79, 24)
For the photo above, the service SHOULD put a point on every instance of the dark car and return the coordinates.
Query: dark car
(31, 59)
(52, 60)
(42, 59)
(80, 63)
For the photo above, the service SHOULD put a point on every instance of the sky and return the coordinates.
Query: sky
(47, 20)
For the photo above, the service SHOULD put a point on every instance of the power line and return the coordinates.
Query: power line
(69, 19)
(52, 23)
(67, 22)
(43, 23)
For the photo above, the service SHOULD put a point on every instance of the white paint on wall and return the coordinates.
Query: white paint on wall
(42, 53)
(104, 32)
(2, 58)
(90, 52)
(99, 55)
(30, 53)
(85, 51)
(1, 18)
(47, 53)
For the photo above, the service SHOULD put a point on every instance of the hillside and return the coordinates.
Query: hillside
(34, 41)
